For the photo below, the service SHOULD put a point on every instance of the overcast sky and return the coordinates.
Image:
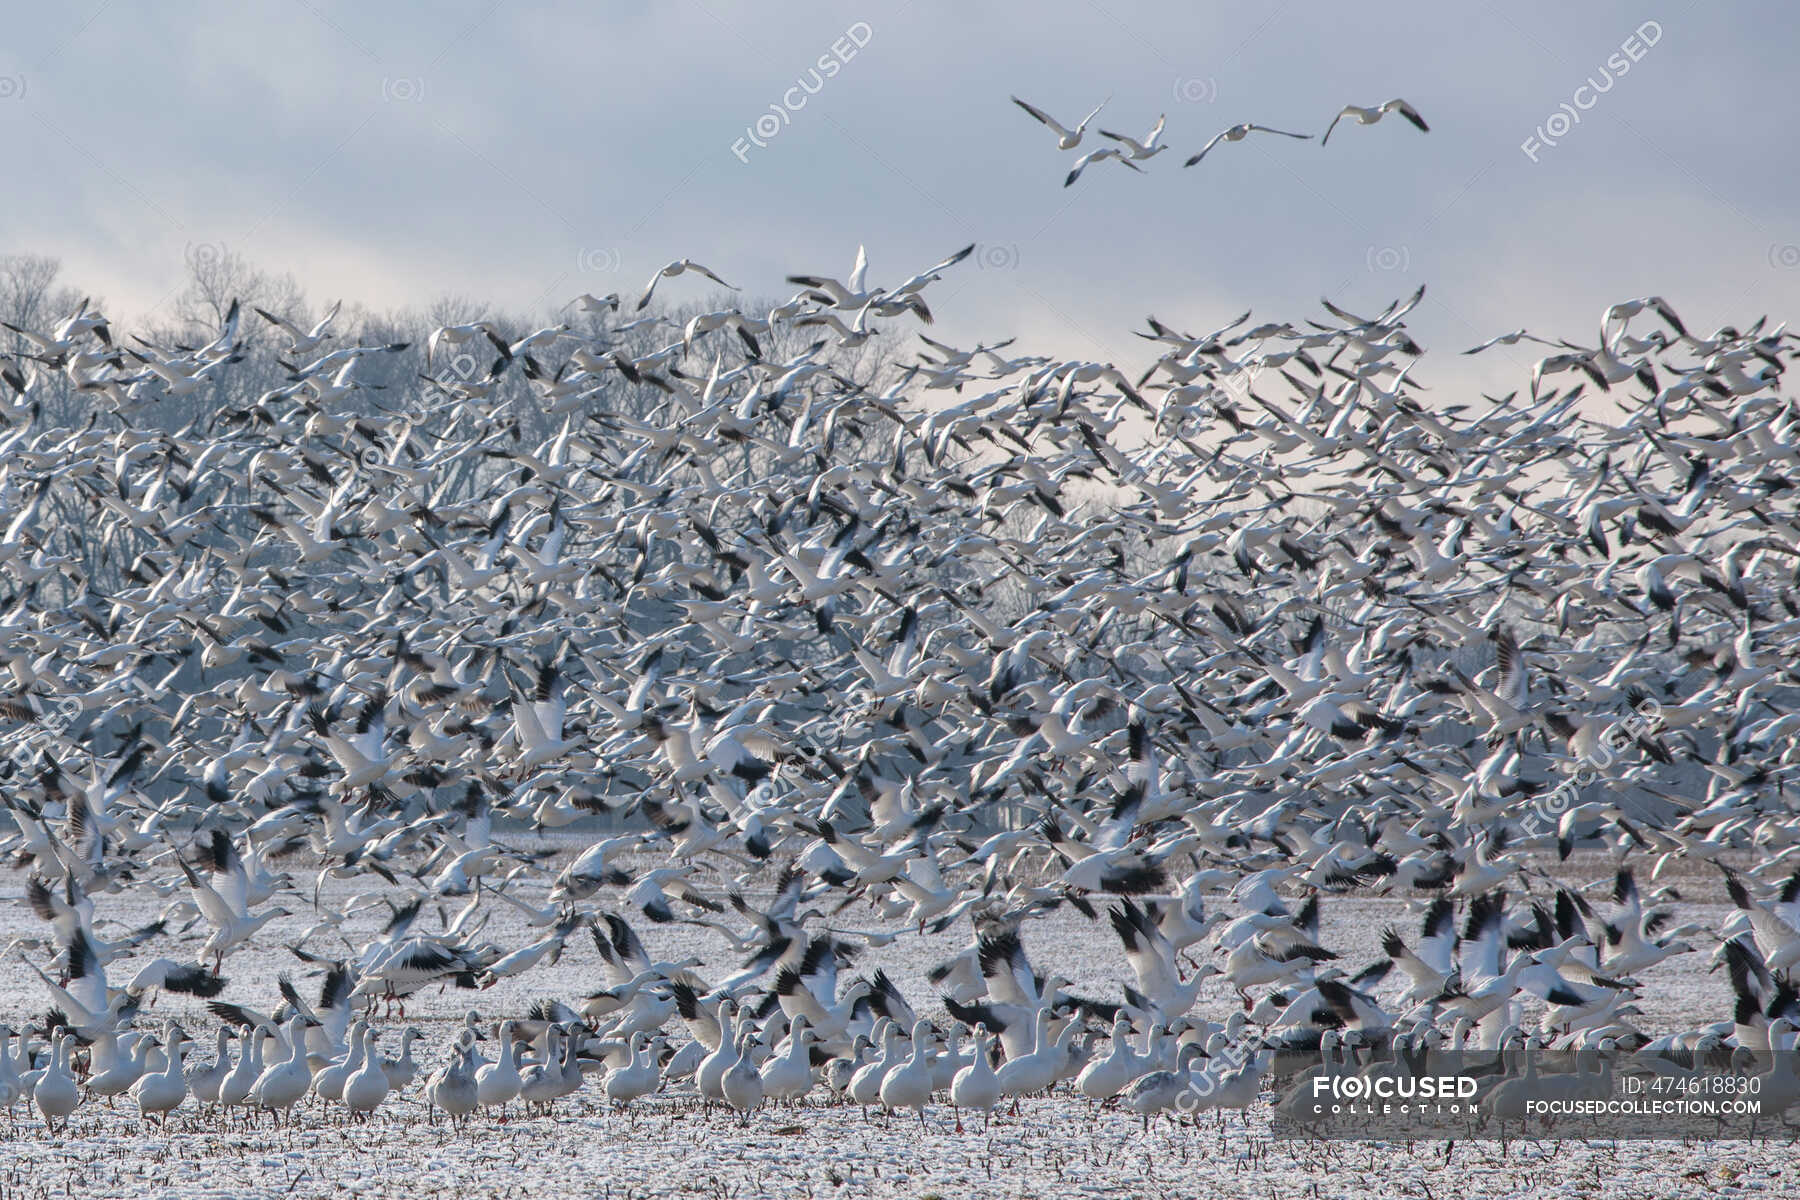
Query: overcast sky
(525, 153)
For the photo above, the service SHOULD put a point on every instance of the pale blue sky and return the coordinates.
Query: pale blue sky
(525, 153)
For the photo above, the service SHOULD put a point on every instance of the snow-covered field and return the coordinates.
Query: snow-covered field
(668, 1147)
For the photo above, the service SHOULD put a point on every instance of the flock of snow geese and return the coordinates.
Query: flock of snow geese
(1130, 151)
(1190, 656)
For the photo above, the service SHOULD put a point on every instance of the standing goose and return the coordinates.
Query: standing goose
(55, 1093)
(789, 1075)
(281, 1085)
(497, 1083)
(162, 1092)
(403, 1070)
(542, 1082)
(234, 1089)
(865, 1085)
(452, 1087)
(1106, 1077)
(639, 1078)
(328, 1084)
(1043, 1068)
(206, 1081)
(976, 1086)
(710, 1074)
(126, 1057)
(741, 1084)
(11, 1086)
(367, 1086)
(909, 1084)
(1162, 1090)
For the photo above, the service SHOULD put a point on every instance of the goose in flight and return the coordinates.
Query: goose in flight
(1368, 116)
(678, 267)
(1149, 147)
(1066, 139)
(1100, 155)
(299, 341)
(587, 302)
(1238, 133)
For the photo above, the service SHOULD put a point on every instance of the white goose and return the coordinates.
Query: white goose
(367, 1086)
(909, 1084)
(282, 1084)
(497, 1083)
(452, 1086)
(1066, 139)
(162, 1092)
(741, 1084)
(976, 1086)
(55, 1093)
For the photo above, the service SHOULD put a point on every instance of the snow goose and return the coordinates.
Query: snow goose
(679, 267)
(542, 1082)
(162, 1092)
(55, 1093)
(497, 1083)
(710, 1074)
(865, 1085)
(642, 1075)
(1104, 1078)
(1100, 155)
(328, 1082)
(741, 1084)
(976, 1086)
(367, 1086)
(115, 1062)
(1148, 148)
(1161, 990)
(452, 1086)
(403, 1070)
(205, 1081)
(1037, 1069)
(1160, 1091)
(302, 342)
(233, 925)
(1238, 133)
(946, 1065)
(234, 1089)
(12, 1088)
(1368, 116)
(909, 1084)
(282, 1084)
(788, 1073)
(841, 1070)
(1066, 138)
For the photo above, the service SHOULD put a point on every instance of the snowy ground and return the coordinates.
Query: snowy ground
(1058, 1147)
